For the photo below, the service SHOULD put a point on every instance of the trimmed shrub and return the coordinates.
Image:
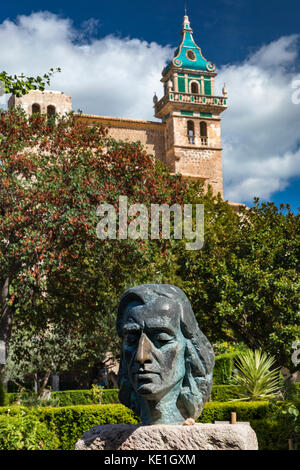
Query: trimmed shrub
(25, 432)
(110, 396)
(72, 397)
(222, 373)
(224, 392)
(270, 434)
(3, 395)
(69, 423)
(215, 411)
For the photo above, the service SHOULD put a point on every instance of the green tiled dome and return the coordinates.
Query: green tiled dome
(188, 55)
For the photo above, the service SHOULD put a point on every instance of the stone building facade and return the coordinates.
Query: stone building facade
(187, 136)
(45, 102)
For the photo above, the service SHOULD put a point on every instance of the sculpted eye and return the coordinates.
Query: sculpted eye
(162, 338)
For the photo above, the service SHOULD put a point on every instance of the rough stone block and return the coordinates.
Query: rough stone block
(169, 437)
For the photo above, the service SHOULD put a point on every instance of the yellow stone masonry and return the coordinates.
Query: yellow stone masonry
(166, 141)
(150, 134)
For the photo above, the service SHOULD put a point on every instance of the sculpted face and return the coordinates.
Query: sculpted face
(154, 347)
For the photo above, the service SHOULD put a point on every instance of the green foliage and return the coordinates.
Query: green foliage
(244, 283)
(97, 393)
(25, 432)
(216, 411)
(223, 370)
(224, 347)
(20, 84)
(288, 417)
(224, 392)
(66, 398)
(270, 434)
(69, 423)
(291, 391)
(35, 354)
(32, 399)
(53, 266)
(255, 377)
(220, 393)
(3, 395)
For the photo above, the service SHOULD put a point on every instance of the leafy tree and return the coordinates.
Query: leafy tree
(35, 355)
(20, 84)
(53, 176)
(244, 283)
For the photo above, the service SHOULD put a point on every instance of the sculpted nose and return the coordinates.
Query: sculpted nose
(144, 350)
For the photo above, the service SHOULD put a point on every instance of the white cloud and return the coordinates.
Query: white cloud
(111, 76)
(260, 129)
(117, 76)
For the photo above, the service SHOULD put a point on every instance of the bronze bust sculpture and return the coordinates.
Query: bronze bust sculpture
(166, 364)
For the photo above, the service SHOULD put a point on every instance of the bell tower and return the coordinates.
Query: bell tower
(191, 113)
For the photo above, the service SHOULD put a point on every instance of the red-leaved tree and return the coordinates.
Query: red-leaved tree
(53, 175)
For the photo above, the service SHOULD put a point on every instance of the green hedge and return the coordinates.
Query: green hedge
(222, 374)
(75, 397)
(69, 423)
(110, 396)
(270, 435)
(215, 411)
(224, 392)
(229, 392)
(26, 432)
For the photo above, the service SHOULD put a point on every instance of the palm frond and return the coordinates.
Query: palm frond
(256, 376)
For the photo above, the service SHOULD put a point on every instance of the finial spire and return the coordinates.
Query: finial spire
(186, 22)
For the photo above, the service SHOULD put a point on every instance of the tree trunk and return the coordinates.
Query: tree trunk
(44, 383)
(6, 318)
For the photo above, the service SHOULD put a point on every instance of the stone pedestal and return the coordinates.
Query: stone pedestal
(169, 437)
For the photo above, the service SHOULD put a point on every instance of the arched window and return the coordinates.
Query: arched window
(35, 109)
(191, 132)
(51, 110)
(203, 133)
(195, 88)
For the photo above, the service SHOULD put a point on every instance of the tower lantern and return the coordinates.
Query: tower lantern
(191, 113)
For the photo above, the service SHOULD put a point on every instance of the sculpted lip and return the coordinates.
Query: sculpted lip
(145, 372)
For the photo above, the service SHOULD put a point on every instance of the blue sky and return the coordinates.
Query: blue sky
(254, 44)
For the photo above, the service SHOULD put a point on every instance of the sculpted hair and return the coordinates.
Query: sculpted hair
(199, 355)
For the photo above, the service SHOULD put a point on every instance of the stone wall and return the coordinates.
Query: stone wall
(58, 99)
(195, 160)
(166, 141)
(150, 134)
